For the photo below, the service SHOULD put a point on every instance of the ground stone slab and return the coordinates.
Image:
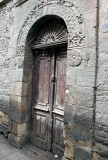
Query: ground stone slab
(29, 152)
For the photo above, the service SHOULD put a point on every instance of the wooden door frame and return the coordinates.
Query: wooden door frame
(54, 48)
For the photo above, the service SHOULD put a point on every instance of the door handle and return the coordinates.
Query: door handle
(52, 79)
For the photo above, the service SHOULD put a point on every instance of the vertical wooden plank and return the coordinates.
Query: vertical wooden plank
(57, 132)
(61, 65)
(38, 125)
(61, 135)
(42, 95)
(59, 102)
(43, 127)
(44, 73)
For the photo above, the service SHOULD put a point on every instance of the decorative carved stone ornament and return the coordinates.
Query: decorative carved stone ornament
(80, 19)
(76, 40)
(72, 17)
(75, 58)
(53, 33)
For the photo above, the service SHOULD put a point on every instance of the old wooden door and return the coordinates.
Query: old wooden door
(49, 85)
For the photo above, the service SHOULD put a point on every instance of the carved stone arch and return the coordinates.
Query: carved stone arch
(66, 10)
(53, 32)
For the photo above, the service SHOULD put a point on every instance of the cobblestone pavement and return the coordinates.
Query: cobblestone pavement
(29, 152)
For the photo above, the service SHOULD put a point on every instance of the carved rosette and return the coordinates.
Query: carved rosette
(75, 57)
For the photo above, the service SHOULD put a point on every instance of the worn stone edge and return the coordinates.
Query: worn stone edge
(19, 2)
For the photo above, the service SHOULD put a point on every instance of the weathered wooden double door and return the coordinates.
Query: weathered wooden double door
(49, 85)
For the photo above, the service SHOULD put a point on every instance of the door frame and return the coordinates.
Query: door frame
(60, 47)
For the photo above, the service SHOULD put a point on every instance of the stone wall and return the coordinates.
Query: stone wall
(86, 113)
(80, 107)
(101, 132)
(7, 15)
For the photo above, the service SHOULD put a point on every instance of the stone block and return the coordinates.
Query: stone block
(80, 96)
(90, 40)
(71, 76)
(4, 103)
(69, 149)
(5, 121)
(101, 118)
(63, 158)
(82, 154)
(25, 87)
(103, 46)
(18, 88)
(99, 139)
(87, 6)
(17, 141)
(103, 149)
(13, 140)
(27, 75)
(15, 114)
(22, 130)
(28, 63)
(90, 22)
(17, 75)
(99, 127)
(15, 102)
(18, 109)
(2, 114)
(83, 117)
(105, 129)
(101, 133)
(103, 158)
(69, 109)
(14, 127)
(85, 77)
(81, 134)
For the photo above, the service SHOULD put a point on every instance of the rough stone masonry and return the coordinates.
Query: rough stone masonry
(86, 109)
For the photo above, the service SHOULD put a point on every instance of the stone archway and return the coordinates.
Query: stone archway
(20, 108)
